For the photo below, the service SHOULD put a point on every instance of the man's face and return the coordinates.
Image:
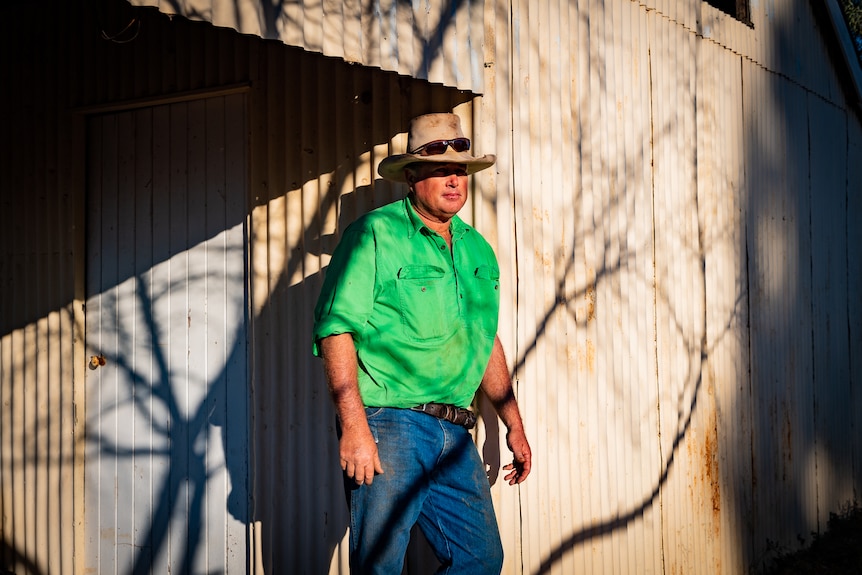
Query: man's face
(439, 190)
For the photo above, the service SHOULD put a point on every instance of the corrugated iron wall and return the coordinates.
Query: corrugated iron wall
(682, 326)
(436, 41)
(321, 127)
(39, 318)
(672, 207)
(167, 434)
(317, 127)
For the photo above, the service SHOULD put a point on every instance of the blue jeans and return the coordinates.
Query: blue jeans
(433, 476)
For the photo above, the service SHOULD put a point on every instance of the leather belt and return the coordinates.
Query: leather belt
(447, 412)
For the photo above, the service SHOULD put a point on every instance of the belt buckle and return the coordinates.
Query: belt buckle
(469, 419)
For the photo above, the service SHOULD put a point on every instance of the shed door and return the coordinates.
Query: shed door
(166, 393)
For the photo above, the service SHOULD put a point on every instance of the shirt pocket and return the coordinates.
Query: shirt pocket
(426, 296)
(483, 298)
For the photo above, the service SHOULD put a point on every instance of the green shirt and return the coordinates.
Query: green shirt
(423, 319)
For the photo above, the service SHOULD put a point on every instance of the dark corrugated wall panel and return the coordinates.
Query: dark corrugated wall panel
(38, 322)
(318, 129)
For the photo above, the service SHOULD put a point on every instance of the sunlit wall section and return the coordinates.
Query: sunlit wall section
(722, 205)
(585, 353)
(542, 174)
(37, 448)
(438, 42)
(686, 412)
(661, 180)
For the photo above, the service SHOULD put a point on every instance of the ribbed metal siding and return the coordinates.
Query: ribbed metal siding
(662, 181)
(318, 126)
(686, 420)
(585, 342)
(582, 100)
(39, 318)
(167, 413)
(315, 153)
(830, 223)
(436, 41)
(721, 200)
(854, 308)
(780, 299)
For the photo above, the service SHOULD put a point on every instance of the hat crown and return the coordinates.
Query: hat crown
(432, 127)
(424, 130)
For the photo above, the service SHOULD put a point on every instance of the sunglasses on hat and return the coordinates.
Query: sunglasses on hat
(439, 146)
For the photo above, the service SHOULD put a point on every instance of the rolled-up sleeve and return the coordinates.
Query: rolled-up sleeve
(347, 296)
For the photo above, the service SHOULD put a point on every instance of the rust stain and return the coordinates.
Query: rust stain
(712, 479)
(541, 215)
(587, 358)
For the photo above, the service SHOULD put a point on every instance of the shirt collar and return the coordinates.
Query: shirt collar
(456, 225)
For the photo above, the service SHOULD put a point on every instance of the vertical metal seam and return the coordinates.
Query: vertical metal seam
(652, 113)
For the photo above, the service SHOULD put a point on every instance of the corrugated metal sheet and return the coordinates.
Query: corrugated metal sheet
(39, 318)
(829, 226)
(307, 148)
(585, 346)
(780, 299)
(652, 203)
(315, 173)
(686, 430)
(721, 206)
(167, 429)
(672, 207)
(436, 41)
(854, 307)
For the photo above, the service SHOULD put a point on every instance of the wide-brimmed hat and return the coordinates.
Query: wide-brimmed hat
(434, 129)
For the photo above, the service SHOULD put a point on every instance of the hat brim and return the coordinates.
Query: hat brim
(392, 168)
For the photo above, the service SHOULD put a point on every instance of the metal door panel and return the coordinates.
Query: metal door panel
(167, 412)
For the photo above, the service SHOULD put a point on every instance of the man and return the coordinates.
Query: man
(406, 325)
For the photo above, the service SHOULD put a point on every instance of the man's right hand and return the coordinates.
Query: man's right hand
(359, 457)
(357, 448)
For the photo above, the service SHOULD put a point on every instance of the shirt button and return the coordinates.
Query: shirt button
(442, 248)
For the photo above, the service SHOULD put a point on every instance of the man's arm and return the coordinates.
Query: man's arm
(357, 448)
(498, 387)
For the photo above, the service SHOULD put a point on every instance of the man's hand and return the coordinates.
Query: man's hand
(359, 457)
(357, 449)
(498, 388)
(519, 469)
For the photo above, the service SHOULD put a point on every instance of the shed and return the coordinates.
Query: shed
(673, 209)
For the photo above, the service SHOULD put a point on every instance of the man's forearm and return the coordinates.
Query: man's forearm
(357, 448)
(340, 367)
(497, 387)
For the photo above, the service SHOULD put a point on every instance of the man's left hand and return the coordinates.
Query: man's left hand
(519, 469)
